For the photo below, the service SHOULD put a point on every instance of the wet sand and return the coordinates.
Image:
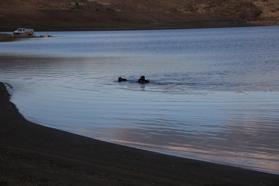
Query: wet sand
(31, 154)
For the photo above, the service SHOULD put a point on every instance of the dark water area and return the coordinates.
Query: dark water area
(214, 93)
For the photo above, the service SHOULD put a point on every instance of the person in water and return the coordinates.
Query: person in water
(121, 79)
(142, 80)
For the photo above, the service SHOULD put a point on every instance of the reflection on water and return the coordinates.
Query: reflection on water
(214, 93)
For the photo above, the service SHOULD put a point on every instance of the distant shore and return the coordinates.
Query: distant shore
(6, 37)
(119, 27)
(31, 154)
(10, 37)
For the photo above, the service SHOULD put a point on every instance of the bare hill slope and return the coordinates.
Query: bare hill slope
(116, 14)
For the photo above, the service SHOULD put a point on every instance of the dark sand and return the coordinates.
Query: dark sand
(31, 154)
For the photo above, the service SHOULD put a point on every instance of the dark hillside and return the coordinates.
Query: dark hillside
(118, 14)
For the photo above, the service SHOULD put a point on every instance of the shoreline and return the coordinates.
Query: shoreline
(34, 154)
(6, 37)
(131, 28)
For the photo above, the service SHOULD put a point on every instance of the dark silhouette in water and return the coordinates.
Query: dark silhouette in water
(121, 79)
(142, 80)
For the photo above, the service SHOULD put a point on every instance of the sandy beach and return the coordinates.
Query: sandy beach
(31, 154)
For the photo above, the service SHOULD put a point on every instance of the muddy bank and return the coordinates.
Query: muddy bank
(31, 154)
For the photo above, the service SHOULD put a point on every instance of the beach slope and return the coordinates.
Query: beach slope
(31, 154)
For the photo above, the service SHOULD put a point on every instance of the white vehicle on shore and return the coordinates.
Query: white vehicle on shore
(24, 32)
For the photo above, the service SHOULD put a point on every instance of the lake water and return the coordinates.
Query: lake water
(214, 93)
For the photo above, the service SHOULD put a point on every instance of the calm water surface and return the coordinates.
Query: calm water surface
(214, 93)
